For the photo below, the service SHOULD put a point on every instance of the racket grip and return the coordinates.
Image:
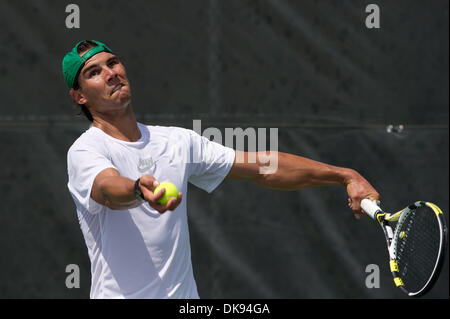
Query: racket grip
(370, 207)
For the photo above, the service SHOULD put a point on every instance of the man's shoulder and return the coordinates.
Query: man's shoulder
(168, 131)
(87, 140)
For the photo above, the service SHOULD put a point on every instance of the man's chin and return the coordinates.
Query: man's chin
(124, 94)
(123, 98)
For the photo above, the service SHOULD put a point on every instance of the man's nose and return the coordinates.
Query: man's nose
(110, 75)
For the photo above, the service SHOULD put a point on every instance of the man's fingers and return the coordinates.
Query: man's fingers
(153, 199)
(355, 205)
(159, 194)
(357, 211)
(149, 183)
(178, 200)
(173, 203)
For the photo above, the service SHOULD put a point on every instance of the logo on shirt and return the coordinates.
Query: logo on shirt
(145, 164)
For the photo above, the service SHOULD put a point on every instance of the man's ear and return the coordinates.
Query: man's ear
(77, 96)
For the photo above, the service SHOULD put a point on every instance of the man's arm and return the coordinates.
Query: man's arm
(295, 172)
(117, 192)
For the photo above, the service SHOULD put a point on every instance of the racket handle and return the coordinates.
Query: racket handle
(370, 207)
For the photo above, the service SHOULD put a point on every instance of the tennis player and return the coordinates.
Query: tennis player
(137, 247)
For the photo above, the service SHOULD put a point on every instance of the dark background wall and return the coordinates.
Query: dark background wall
(309, 68)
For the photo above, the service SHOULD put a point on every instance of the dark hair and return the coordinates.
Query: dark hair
(83, 46)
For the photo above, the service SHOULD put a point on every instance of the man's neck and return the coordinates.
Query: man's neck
(120, 126)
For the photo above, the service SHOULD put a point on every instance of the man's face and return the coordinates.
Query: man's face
(104, 85)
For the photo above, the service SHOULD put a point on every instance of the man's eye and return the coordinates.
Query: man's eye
(112, 63)
(93, 73)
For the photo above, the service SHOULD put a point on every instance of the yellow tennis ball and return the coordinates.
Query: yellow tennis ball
(171, 191)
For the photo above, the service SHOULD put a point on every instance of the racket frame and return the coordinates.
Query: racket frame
(384, 219)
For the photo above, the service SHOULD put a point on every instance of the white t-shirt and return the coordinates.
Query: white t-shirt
(140, 253)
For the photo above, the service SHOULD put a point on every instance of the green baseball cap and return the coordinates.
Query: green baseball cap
(73, 62)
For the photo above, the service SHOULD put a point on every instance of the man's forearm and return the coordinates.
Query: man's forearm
(296, 172)
(293, 172)
(117, 192)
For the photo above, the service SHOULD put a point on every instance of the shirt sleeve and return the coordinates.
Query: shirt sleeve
(210, 162)
(83, 166)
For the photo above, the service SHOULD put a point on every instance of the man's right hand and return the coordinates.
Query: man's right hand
(359, 188)
(147, 184)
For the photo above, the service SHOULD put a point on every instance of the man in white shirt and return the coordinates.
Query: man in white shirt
(137, 247)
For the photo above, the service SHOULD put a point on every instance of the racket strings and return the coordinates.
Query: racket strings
(418, 248)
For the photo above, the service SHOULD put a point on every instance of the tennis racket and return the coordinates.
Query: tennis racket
(416, 239)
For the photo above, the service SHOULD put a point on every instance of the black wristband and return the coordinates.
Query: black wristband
(137, 190)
